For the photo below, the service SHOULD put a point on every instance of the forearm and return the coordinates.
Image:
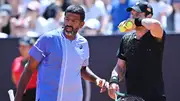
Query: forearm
(24, 80)
(150, 23)
(119, 72)
(87, 74)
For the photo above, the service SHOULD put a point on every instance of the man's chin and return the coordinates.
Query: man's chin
(68, 33)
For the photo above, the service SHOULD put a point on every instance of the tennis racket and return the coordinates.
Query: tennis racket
(11, 95)
(126, 97)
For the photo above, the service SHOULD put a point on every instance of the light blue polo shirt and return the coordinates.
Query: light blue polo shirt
(59, 77)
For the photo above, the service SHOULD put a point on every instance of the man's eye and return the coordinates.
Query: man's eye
(74, 21)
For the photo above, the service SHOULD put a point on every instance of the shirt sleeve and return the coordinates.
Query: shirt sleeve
(121, 52)
(38, 50)
(86, 60)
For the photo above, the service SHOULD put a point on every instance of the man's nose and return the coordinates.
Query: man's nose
(69, 23)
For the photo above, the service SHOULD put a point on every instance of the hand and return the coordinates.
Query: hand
(17, 99)
(113, 88)
(103, 84)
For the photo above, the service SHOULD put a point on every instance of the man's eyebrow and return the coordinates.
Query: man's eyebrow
(75, 19)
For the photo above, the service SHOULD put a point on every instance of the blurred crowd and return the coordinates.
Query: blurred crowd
(19, 18)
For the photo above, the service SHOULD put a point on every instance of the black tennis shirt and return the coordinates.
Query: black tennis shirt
(143, 64)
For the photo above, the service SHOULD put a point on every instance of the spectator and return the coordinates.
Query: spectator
(5, 13)
(54, 16)
(3, 35)
(176, 5)
(107, 23)
(17, 7)
(3, 23)
(37, 23)
(50, 11)
(161, 10)
(91, 27)
(77, 2)
(119, 8)
(18, 66)
(20, 28)
(44, 4)
(63, 3)
(95, 9)
(108, 5)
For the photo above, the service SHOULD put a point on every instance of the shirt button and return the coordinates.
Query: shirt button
(149, 50)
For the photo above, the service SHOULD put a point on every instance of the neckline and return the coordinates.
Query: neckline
(72, 41)
(135, 36)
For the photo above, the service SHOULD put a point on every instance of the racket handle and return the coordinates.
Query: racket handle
(11, 94)
(120, 94)
(116, 99)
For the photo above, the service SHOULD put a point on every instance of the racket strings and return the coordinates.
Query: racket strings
(131, 98)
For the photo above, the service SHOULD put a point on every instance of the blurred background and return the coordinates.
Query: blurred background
(20, 18)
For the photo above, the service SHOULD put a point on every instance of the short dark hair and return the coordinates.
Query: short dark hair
(77, 9)
(27, 41)
(51, 11)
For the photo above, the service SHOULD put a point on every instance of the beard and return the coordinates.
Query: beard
(69, 30)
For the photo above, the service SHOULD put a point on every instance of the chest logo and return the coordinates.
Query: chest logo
(80, 46)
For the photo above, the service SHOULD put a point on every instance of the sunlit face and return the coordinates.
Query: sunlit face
(4, 20)
(14, 3)
(24, 49)
(135, 14)
(176, 6)
(32, 14)
(72, 23)
(59, 14)
(88, 2)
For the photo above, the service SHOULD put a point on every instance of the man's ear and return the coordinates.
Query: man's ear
(82, 24)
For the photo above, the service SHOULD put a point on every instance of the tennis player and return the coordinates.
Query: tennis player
(25, 44)
(62, 57)
(140, 56)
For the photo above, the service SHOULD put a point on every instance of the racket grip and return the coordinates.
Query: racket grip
(116, 99)
(120, 94)
(11, 94)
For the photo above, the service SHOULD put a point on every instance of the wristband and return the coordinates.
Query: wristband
(138, 21)
(114, 79)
